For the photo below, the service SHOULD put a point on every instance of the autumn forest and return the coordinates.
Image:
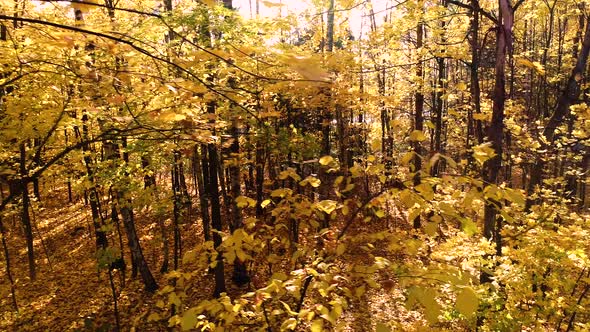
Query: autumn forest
(320, 165)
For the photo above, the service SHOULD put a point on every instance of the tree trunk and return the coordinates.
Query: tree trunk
(133, 241)
(200, 166)
(569, 96)
(474, 75)
(126, 209)
(216, 222)
(418, 113)
(25, 217)
(8, 270)
(240, 273)
(492, 224)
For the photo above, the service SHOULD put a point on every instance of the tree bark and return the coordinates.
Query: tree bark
(418, 113)
(200, 166)
(569, 96)
(492, 224)
(25, 216)
(240, 273)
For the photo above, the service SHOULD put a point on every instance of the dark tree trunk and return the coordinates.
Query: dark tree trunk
(569, 96)
(260, 161)
(240, 273)
(418, 116)
(216, 222)
(25, 217)
(474, 75)
(126, 208)
(134, 245)
(200, 166)
(8, 270)
(178, 208)
(492, 224)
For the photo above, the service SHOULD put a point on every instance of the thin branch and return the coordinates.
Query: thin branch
(88, 3)
(481, 10)
(141, 50)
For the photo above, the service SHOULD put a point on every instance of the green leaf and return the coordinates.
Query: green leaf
(467, 302)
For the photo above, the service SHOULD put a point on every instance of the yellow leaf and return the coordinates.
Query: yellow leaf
(326, 160)
(154, 316)
(188, 321)
(537, 66)
(84, 7)
(359, 291)
(270, 4)
(483, 152)
(189, 257)
(467, 302)
(480, 116)
(345, 210)
(382, 328)
(327, 206)
(426, 190)
(171, 116)
(340, 249)
(311, 180)
(430, 228)
(406, 158)
(289, 324)
(417, 135)
(317, 325)
(515, 196)
(281, 192)
(306, 67)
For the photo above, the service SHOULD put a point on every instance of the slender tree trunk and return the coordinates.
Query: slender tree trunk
(37, 163)
(569, 97)
(200, 166)
(177, 208)
(8, 270)
(240, 273)
(126, 208)
(418, 113)
(492, 223)
(133, 241)
(216, 216)
(260, 161)
(474, 75)
(25, 217)
(327, 118)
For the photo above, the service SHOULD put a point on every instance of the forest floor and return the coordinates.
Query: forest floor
(70, 294)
